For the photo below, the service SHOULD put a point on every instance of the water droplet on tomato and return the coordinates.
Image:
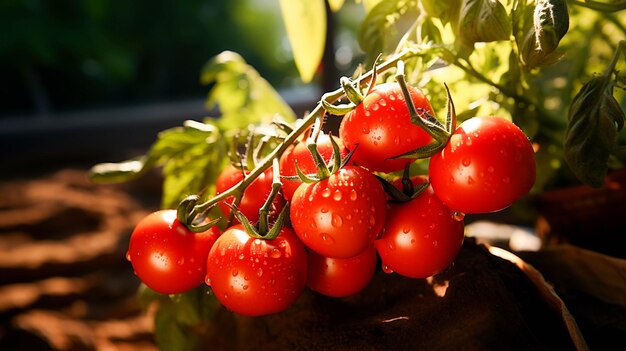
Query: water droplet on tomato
(336, 221)
(382, 102)
(353, 195)
(326, 192)
(405, 230)
(207, 280)
(245, 287)
(234, 272)
(470, 180)
(432, 226)
(128, 255)
(337, 195)
(324, 210)
(392, 97)
(458, 216)
(506, 180)
(396, 140)
(242, 256)
(490, 169)
(468, 141)
(259, 272)
(386, 269)
(466, 162)
(367, 113)
(275, 253)
(374, 107)
(372, 221)
(435, 243)
(181, 261)
(327, 239)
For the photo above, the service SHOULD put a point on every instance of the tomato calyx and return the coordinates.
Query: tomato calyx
(262, 230)
(352, 93)
(324, 170)
(189, 218)
(440, 132)
(410, 190)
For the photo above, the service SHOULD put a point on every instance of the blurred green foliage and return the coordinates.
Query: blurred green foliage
(68, 54)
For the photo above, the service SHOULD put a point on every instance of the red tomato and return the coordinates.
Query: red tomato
(340, 216)
(254, 196)
(420, 238)
(487, 165)
(301, 156)
(166, 256)
(382, 129)
(256, 277)
(341, 277)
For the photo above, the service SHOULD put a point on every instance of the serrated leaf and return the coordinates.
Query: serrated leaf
(591, 132)
(305, 22)
(241, 94)
(191, 159)
(482, 21)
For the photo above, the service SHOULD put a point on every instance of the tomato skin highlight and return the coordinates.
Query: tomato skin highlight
(341, 277)
(381, 127)
(254, 196)
(339, 217)
(421, 237)
(166, 256)
(301, 156)
(255, 277)
(487, 165)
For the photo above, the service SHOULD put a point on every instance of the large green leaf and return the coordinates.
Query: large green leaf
(241, 94)
(591, 135)
(191, 158)
(385, 24)
(305, 21)
(482, 21)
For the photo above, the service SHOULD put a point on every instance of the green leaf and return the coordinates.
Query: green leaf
(591, 135)
(385, 25)
(241, 94)
(550, 23)
(180, 319)
(482, 21)
(122, 171)
(444, 10)
(191, 160)
(305, 22)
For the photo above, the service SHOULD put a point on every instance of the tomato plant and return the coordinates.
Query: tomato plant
(421, 237)
(300, 155)
(253, 277)
(253, 197)
(339, 216)
(166, 256)
(341, 277)
(487, 165)
(379, 128)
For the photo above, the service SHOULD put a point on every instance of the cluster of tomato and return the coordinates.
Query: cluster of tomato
(343, 223)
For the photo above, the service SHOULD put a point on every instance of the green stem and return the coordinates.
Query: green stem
(264, 211)
(621, 48)
(435, 131)
(307, 121)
